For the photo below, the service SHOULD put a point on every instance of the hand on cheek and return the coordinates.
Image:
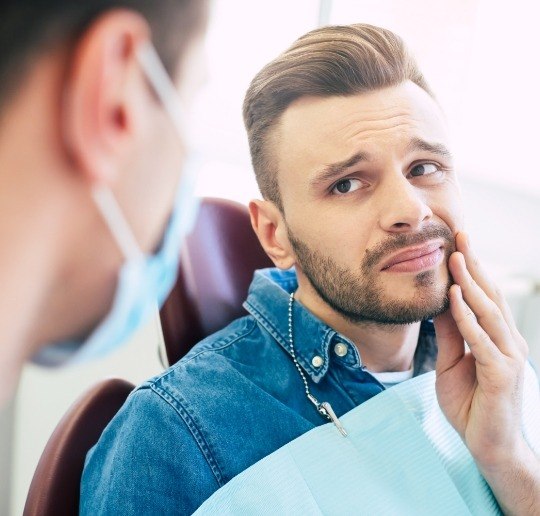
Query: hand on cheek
(480, 389)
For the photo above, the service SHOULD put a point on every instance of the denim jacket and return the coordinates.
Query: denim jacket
(233, 399)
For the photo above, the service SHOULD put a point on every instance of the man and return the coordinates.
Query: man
(361, 199)
(89, 162)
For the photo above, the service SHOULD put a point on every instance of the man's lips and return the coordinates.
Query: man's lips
(413, 259)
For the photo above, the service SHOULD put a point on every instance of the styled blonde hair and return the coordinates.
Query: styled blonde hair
(329, 61)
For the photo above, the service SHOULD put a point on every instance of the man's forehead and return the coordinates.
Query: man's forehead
(381, 116)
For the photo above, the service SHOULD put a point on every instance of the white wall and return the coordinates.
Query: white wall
(503, 224)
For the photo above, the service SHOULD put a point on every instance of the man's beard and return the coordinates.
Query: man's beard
(359, 296)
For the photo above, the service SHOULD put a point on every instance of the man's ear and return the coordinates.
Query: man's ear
(269, 225)
(102, 96)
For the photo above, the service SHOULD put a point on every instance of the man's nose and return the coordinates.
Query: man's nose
(402, 206)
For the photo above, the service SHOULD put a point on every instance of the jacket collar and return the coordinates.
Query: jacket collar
(268, 303)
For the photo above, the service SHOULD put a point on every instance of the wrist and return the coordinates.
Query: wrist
(515, 480)
(506, 458)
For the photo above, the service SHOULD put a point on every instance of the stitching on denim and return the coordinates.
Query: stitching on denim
(287, 284)
(328, 335)
(213, 345)
(318, 375)
(352, 358)
(175, 403)
(279, 338)
(285, 279)
(277, 335)
(261, 311)
(181, 406)
(267, 325)
(225, 341)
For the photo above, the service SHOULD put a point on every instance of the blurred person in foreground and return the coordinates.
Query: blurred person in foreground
(94, 192)
(375, 287)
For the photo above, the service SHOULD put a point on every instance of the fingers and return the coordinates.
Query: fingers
(482, 347)
(482, 278)
(486, 313)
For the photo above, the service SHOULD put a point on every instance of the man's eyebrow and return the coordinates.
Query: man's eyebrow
(333, 170)
(417, 144)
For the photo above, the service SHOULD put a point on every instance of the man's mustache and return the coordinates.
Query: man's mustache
(402, 240)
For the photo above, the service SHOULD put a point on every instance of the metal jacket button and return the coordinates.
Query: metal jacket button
(340, 349)
(317, 361)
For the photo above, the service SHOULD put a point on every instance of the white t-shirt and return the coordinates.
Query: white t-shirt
(388, 379)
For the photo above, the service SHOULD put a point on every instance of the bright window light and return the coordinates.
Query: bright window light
(479, 56)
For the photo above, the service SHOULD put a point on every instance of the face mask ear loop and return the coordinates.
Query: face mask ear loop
(116, 222)
(158, 78)
(160, 81)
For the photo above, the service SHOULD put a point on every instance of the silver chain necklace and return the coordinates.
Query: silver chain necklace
(324, 408)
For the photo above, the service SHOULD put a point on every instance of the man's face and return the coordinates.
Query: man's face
(150, 186)
(147, 174)
(371, 201)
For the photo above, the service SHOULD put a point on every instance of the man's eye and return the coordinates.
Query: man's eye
(424, 169)
(346, 186)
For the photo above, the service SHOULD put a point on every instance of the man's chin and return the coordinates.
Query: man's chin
(399, 313)
(426, 284)
(415, 304)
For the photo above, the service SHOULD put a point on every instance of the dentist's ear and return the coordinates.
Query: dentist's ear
(101, 110)
(269, 225)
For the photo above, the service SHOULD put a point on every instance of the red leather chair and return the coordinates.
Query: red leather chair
(54, 490)
(216, 269)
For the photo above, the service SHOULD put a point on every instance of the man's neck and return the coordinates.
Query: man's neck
(382, 347)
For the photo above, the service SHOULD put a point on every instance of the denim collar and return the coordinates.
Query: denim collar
(268, 303)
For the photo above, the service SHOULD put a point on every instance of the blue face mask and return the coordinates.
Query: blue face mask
(144, 281)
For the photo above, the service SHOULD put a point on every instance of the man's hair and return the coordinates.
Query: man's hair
(29, 28)
(330, 61)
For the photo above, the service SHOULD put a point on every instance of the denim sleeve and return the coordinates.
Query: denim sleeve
(146, 462)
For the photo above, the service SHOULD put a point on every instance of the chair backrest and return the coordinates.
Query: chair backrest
(216, 269)
(55, 488)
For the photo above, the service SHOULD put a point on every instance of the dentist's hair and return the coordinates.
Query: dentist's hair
(330, 61)
(30, 28)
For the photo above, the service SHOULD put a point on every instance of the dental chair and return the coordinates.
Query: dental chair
(56, 484)
(216, 268)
